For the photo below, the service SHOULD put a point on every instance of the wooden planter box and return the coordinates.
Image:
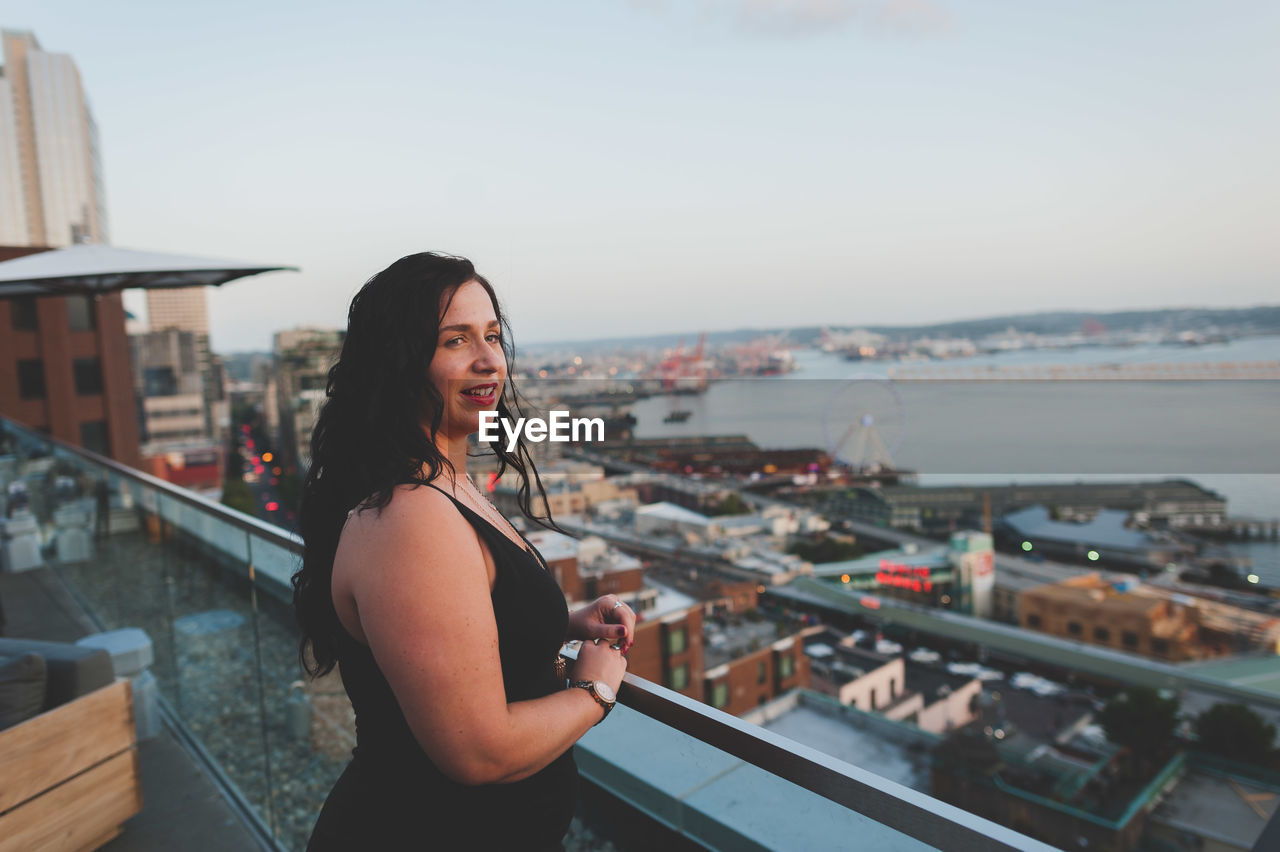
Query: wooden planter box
(69, 777)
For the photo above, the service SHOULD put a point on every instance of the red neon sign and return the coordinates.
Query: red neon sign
(913, 577)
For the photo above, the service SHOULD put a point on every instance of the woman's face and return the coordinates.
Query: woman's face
(468, 356)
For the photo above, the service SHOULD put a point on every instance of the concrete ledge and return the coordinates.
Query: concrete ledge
(718, 800)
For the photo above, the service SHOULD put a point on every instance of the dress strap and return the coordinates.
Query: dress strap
(442, 491)
(470, 513)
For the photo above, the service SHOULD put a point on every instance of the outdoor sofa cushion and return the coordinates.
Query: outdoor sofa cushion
(71, 670)
(22, 688)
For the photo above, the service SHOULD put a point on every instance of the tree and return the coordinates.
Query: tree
(238, 495)
(1142, 721)
(1222, 574)
(967, 752)
(827, 549)
(1235, 732)
(290, 491)
(732, 504)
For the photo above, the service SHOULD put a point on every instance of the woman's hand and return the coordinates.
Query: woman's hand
(600, 662)
(607, 618)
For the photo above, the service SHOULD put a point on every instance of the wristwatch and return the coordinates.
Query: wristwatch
(601, 692)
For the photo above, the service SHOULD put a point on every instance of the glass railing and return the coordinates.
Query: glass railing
(210, 586)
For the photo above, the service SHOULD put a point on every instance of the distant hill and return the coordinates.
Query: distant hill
(240, 365)
(1263, 319)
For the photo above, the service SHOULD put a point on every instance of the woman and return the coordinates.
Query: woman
(445, 621)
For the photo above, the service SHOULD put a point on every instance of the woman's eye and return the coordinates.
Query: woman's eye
(496, 338)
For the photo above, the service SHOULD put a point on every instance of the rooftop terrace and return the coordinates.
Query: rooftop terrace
(210, 587)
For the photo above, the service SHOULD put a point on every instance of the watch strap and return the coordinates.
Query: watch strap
(590, 686)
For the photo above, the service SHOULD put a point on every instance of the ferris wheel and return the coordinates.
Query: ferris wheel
(864, 422)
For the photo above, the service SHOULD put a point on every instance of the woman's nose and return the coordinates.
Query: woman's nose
(488, 361)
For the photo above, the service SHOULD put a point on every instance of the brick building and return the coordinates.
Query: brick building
(745, 682)
(899, 689)
(1129, 616)
(64, 368)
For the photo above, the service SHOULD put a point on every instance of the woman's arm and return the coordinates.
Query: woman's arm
(418, 577)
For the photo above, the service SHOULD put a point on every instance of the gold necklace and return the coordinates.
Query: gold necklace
(487, 505)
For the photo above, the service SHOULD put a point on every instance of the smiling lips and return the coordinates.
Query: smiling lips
(484, 394)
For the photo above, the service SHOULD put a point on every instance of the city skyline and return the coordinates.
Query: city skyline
(636, 168)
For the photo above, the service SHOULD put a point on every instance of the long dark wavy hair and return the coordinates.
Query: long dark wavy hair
(369, 435)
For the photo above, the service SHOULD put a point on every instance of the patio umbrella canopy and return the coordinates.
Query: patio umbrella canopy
(97, 269)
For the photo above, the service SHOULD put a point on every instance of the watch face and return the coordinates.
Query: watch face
(605, 691)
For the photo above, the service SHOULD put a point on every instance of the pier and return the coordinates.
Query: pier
(1237, 529)
(1168, 372)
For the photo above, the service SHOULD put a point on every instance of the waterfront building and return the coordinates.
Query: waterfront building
(959, 576)
(720, 455)
(1171, 503)
(1103, 538)
(1140, 619)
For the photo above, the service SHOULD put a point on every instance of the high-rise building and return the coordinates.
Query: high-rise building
(170, 388)
(303, 359)
(64, 360)
(186, 309)
(169, 385)
(183, 308)
(51, 188)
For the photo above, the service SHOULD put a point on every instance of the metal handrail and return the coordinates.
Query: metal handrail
(900, 808)
(247, 523)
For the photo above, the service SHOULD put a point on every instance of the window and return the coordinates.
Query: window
(874, 702)
(1160, 646)
(719, 695)
(159, 381)
(1101, 634)
(786, 667)
(1074, 628)
(762, 672)
(93, 436)
(1129, 638)
(22, 313)
(679, 677)
(88, 376)
(31, 379)
(81, 314)
(676, 640)
(1033, 620)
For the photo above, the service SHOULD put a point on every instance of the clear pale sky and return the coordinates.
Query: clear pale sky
(621, 168)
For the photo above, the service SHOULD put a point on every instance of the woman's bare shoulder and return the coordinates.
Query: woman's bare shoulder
(418, 522)
(410, 503)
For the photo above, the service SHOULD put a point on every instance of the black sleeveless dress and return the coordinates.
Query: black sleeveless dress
(392, 797)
